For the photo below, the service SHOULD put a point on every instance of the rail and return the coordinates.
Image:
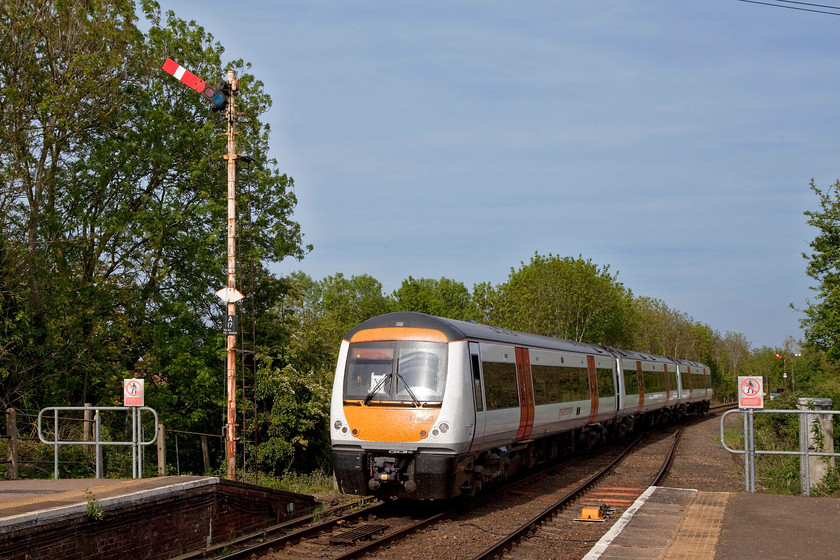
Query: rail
(749, 452)
(135, 443)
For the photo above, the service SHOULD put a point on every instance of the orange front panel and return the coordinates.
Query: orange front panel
(387, 423)
(399, 333)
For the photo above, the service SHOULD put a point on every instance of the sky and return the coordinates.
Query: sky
(671, 141)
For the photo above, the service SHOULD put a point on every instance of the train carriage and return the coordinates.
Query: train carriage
(431, 408)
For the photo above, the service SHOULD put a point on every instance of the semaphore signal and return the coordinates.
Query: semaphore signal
(219, 94)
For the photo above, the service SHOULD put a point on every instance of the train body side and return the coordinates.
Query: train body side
(430, 408)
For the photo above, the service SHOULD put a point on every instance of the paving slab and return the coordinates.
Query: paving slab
(774, 527)
(685, 524)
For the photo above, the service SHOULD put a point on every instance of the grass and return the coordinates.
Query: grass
(308, 483)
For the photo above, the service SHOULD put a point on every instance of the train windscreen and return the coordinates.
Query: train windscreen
(395, 372)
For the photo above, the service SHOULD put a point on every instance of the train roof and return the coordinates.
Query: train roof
(460, 330)
(642, 356)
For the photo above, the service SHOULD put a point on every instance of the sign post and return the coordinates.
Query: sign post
(750, 397)
(134, 396)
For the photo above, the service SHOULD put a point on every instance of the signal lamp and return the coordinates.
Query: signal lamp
(218, 95)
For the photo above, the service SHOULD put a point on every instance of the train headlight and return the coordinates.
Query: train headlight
(444, 427)
(337, 425)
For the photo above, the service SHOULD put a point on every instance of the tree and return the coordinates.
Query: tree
(113, 208)
(822, 316)
(62, 67)
(443, 298)
(293, 419)
(319, 314)
(564, 297)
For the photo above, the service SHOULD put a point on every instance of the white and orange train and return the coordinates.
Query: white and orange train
(429, 408)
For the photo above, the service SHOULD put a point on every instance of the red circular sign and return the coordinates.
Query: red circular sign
(749, 387)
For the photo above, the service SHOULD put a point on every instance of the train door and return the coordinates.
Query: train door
(686, 380)
(618, 385)
(478, 394)
(526, 394)
(641, 378)
(593, 388)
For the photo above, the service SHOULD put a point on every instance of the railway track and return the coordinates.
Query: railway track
(415, 530)
(484, 527)
(547, 535)
(609, 489)
(290, 531)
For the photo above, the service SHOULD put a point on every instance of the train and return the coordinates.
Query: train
(429, 408)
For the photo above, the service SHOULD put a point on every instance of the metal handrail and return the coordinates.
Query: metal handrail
(750, 451)
(135, 443)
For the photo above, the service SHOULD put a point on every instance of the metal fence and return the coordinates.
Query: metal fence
(136, 434)
(749, 452)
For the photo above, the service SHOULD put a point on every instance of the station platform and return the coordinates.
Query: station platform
(138, 518)
(26, 501)
(684, 524)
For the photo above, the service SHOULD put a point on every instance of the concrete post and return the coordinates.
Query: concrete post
(161, 450)
(205, 454)
(88, 423)
(11, 431)
(816, 434)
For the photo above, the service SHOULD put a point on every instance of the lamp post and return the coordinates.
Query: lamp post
(784, 369)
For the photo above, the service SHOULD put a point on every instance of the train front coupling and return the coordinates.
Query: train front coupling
(386, 470)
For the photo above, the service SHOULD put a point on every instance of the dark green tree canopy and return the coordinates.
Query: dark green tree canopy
(566, 297)
(113, 206)
(444, 298)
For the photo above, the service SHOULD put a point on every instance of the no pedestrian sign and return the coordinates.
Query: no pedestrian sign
(750, 392)
(133, 394)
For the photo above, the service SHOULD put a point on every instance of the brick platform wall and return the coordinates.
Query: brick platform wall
(157, 528)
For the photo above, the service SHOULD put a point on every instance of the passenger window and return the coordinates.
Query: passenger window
(500, 382)
(476, 373)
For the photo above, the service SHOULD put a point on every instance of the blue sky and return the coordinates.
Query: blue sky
(672, 141)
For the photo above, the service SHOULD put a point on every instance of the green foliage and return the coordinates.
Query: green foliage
(443, 298)
(315, 482)
(293, 419)
(94, 508)
(112, 206)
(563, 297)
(319, 314)
(822, 317)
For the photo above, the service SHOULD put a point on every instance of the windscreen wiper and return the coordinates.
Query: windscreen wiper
(417, 402)
(376, 388)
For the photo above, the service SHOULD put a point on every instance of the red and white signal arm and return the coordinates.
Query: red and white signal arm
(184, 75)
(133, 392)
(750, 392)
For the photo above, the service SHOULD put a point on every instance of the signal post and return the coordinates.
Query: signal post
(230, 432)
(223, 96)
